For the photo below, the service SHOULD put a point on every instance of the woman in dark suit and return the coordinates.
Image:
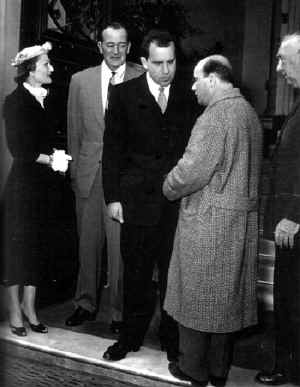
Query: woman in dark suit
(28, 187)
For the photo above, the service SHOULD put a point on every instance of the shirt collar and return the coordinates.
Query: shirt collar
(119, 72)
(154, 87)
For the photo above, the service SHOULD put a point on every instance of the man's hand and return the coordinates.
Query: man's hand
(285, 232)
(115, 211)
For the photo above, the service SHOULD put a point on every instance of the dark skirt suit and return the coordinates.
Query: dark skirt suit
(28, 190)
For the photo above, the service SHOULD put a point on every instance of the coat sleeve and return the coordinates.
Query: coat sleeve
(22, 126)
(288, 172)
(74, 124)
(114, 147)
(203, 154)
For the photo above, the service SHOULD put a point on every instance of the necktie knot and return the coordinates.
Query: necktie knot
(111, 80)
(162, 99)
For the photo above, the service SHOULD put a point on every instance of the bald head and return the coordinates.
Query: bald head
(217, 64)
(289, 59)
(212, 75)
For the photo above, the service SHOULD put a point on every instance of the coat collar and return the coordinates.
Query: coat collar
(226, 94)
(28, 98)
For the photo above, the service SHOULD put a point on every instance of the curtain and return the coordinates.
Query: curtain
(284, 92)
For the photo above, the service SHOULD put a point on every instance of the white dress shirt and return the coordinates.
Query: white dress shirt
(106, 74)
(154, 88)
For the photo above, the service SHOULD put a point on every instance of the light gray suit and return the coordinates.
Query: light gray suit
(85, 142)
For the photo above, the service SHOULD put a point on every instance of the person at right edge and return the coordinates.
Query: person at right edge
(212, 277)
(282, 219)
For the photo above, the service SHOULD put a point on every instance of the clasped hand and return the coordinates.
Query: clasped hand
(115, 211)
(60, 160)
(285, 232)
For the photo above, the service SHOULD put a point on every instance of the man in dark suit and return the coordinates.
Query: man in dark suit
(87, 103)
(282, 220)
(148, 125)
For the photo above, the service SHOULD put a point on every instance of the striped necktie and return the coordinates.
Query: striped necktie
(162, 99)
(110, 84)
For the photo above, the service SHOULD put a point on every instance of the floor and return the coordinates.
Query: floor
(87, 343)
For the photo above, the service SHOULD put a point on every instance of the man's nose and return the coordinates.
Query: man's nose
(279, 65)
(116, 49)
(165, 68)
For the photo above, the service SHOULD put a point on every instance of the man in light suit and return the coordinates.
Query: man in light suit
(87, 103)
(148, 125)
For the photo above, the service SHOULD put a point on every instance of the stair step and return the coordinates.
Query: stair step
(61, 347)
(83, 352)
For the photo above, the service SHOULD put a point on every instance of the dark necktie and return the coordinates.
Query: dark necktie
(110, 85)
(162, 99)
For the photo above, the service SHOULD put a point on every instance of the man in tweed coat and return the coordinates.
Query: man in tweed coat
(212, 276)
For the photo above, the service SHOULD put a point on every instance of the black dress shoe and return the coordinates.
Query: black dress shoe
(217, 381)
(38, 328)
(119, 350)
(79, 316)
(18, 331)
(275, 378)
(177, 373)
(116, 326)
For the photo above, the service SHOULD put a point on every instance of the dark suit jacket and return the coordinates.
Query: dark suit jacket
(141, 145)
(285, 184)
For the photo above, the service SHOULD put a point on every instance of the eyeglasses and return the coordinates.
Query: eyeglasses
(111, 46)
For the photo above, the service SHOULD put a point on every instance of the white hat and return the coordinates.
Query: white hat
(31, 52)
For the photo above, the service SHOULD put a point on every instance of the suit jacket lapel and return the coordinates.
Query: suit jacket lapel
(174, 98)
(293, 111)
(129, 72)
(97, 91)
(144, 97)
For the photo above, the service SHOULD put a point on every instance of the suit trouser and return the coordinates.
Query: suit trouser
(204, 354)
(287, 310)
(93, 225)
(142, 248)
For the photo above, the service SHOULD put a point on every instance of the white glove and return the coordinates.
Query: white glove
(60, 160)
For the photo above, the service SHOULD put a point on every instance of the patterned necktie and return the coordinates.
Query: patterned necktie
(162, 99)
(110, 84)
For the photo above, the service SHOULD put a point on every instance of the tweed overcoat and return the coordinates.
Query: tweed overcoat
(213, 269)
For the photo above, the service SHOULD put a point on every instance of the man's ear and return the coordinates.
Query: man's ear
(144, 62)
(212, 79)
(128, 48)
(99, 44)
